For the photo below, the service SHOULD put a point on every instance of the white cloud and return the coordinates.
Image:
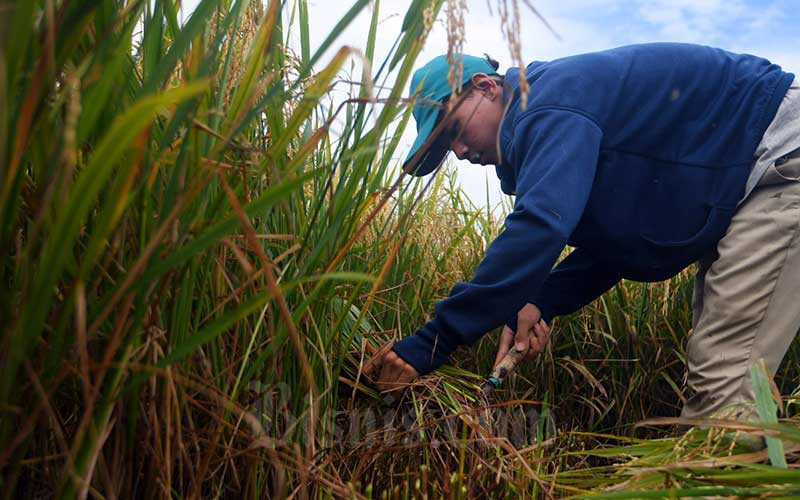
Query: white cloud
(712, 22)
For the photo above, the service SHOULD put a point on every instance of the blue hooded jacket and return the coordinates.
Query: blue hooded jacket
(635, 156)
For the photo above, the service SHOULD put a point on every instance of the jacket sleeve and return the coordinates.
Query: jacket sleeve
(555, 153)
(573, 283)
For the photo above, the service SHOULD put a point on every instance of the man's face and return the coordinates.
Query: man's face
(474, 125)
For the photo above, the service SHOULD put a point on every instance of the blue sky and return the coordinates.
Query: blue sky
(768, 28)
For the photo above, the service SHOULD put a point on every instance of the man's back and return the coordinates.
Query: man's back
(678, 127)
(674, 102)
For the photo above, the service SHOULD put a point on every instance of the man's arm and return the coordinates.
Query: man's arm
(557, 152)
(573, 283)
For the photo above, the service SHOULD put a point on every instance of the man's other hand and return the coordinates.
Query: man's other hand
(395, 373)
(532, 332)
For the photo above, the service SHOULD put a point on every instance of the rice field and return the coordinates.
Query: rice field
(199, 267)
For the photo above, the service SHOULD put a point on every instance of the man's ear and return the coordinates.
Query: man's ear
(485, 84)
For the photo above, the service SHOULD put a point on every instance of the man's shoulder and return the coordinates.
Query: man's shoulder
(618, 61)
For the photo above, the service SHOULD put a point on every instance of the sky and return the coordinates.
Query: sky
(767, 28)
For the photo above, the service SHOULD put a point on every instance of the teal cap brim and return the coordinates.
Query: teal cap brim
(435, 153)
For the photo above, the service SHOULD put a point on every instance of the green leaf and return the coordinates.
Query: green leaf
(67, 225)
(767, 411)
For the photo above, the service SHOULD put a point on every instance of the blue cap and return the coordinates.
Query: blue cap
(434, 88)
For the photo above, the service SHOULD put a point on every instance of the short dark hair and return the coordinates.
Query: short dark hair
(467, 86)
(492, 62)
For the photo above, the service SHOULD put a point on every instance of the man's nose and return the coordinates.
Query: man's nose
(459, 149)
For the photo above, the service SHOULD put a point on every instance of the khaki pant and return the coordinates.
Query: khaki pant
(747, 295)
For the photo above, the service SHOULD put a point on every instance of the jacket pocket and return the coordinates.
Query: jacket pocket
(789, 167)
(711, 231)
(786, 169)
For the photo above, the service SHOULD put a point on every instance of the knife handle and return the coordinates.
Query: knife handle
(503, 369)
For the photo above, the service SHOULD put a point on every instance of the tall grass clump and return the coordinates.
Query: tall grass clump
(179, 226)
(203, 252)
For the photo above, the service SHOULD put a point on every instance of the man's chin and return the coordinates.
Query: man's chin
(484, 162)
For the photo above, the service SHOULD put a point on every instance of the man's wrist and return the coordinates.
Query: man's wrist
(425, 350)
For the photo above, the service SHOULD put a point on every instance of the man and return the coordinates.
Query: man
(644, 158)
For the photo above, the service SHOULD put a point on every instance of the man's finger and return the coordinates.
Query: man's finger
(395, 372)
(390, 367)
(543, 332)
(373, 365)
(388, 378)
(535, 344)
(538, 340)
(528, 316)
(522, 338)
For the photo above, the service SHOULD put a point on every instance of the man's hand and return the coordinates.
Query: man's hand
(532, 332)
(395, 373)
